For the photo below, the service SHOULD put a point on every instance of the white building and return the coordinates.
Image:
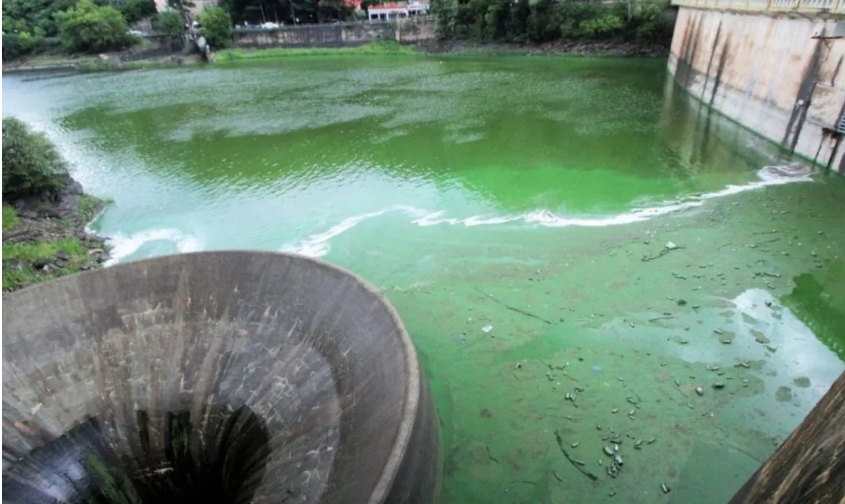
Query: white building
(393, 10)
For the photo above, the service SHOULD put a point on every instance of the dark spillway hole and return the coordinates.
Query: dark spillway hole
(81, 466)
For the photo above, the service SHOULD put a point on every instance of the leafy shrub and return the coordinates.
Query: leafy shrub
(169, 23)
(606, 26)
(216, 27)
(540, 21)
(91, 28)
(31, 163)
(652, 24)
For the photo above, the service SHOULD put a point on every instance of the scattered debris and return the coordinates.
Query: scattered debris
(517, 310)
(670, 246)
(574, 462)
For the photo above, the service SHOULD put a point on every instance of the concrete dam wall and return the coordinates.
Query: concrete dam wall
(409, 30)
(777, 73)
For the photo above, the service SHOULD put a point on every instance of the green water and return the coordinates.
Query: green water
(517, 193)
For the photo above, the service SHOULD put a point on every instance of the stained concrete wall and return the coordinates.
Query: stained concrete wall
(338, 35)
(769, 72)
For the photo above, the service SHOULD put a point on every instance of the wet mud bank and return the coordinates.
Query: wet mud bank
(580, 48)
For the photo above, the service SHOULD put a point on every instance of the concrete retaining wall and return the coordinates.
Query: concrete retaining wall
(338, 35)
(771, 73)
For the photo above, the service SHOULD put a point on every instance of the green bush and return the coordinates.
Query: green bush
(169, 23)
(216, 27)
(540, 21)
(90, 28)
(31, 163)
(136, 10)
(652, 24)
(603, 27)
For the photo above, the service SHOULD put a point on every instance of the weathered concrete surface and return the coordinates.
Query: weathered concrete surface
(809, 467)
(338, 35)
(296, 373)
(768, 72)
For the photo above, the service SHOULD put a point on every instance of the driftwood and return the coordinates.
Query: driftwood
(809, 467)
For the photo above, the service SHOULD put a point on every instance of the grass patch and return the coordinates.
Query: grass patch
(381, 48)
(20, 261)
(10, 218)
(88, 207)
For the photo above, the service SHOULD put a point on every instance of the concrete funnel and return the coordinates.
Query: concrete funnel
(216, 377)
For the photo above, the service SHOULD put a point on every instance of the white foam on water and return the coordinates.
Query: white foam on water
(123, 246)
(318, 245)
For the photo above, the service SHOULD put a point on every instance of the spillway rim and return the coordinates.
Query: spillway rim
(412, 386)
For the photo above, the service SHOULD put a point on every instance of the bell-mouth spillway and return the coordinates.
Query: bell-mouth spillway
(226, 377)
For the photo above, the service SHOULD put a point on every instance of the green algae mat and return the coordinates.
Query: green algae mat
(615, 297)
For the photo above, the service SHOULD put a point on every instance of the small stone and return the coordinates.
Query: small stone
(682, 302)
(771, 348)
(608, 451)
(618, 460)
(665, 488)
(718, 385)
(699, 391)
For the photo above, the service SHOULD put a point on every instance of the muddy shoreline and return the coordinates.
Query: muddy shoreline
(579, 48)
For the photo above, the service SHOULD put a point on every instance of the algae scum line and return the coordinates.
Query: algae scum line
(615, 295)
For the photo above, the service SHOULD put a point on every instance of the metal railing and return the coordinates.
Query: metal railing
(810, 6)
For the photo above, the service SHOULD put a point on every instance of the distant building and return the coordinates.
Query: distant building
(393, 10)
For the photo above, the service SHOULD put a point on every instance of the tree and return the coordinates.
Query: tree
(91, 28)
(32, 165)
(170, 23)
(216, 27)
(136, 10)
